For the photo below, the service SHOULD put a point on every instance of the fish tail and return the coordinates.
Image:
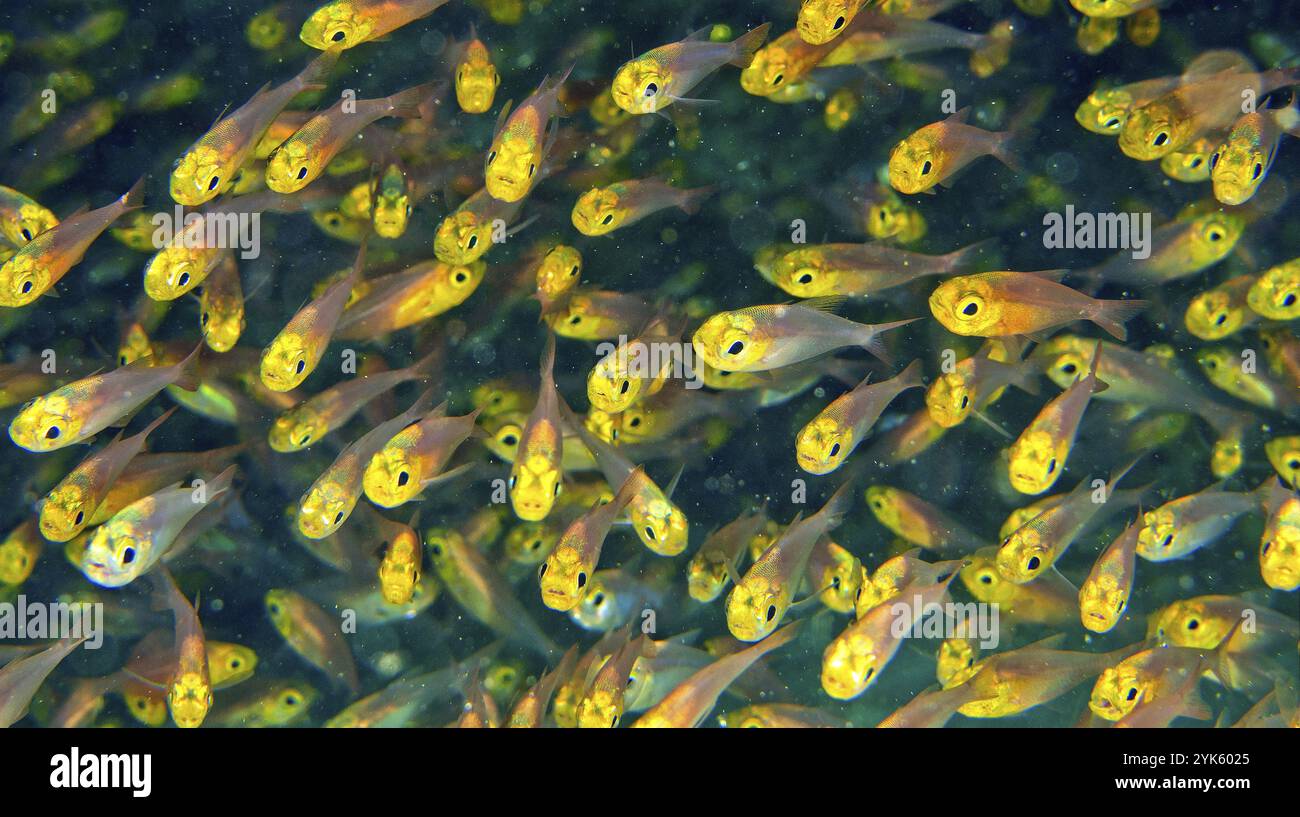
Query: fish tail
(315, 76)
(837, 507)
(1009, 148)
(692, 199)
(747, 44)
(133, 199)
(408, 104)
(187, 371)
(152, 427)
(964, 260)
(912, 377)
(875, 344)
(222, 482)
(1112, 315)
(426, 366)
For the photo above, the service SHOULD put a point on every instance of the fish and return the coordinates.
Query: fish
(415, 459)
(864, 270)
(665, 75)
(523, 139)
(345, 24)
(931, 155)
(1038, 456)
(603, 210)
(314, 635)
(536, 474)
(22, 678)
(1105, 594)
(919, 522)
(997, 304)
(824, 444)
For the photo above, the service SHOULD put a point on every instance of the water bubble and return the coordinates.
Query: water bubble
(1062, 167)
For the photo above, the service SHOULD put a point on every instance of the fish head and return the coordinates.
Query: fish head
(1104, 111)
(1117, 691)
(392, 477)
(506, 430)
(804, 274)
(476, 81)
(610, 386)
(1190, 165)
(222, 323)
(175, 270)
(769, 72)
(563, 577)
(1101, 603)
(842, 580)
(966, 306)
(1159, 531)
(64, 513)
(1284, 455)
(296, 429)
(599, 608)
(823, 444)
(601, 708)
(916, 163)
(1035, 461)
(324, 508)
(399, 572)
(821, 21)
(1023, 555)
(288, 704)
(23, 279)
(1279, 554)
(289, 167)
(731, 341)
(230, 663)
(391, 215)
(199, 176)
(659, 524)
(1153, 131)
(29, 221)
(1214, 236)
(146, 705)
(706, 577)
(46, 423)
(116, 553)
(462, 238)
(598, 212)
(559, 272)
(511, 167)
(956, 662)
(534, 485)
(1214, 315)
(442, 544)
(135, 346)
(641, 86)
(1276, 293)
(849, 664)
(280, 606)
(983, 580)
(755, 607)
(336, 25)
(496, 397)
(17, 559)
(950, 399)
(531, 542)
(286, 362)
(1104, 8)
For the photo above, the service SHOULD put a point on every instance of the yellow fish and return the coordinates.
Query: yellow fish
(221, 306)
(314, 634)
(189, 692)
(348, 23)
(935, 152)
(996, 304)
(1104, 595)
(657, 79)
(22, 218)
(415, 458)
(565, 574)
(522, 142)
(476, 77)
(828, 439)
(1276, 292)
(605, 209)
(821, 21)
(1037, 457)
(1241, 162)
(536, 475)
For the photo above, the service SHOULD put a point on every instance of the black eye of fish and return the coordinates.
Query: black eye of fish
(970, 309)
(778, 79)
(1051, 466)
(1161, 139)
(1219, 319)
(80, 516)
(1259, 169)
(1167, 541)
(598, 599)
(302, 172)
(1289, 300)
(473, 242)
(212, 185)
(338, 517)
(634, 422)
(512, 482)
(203, 319)
(436, 549)
(986, 579)
(27, 234)
(541, 571)
(302, 364)
(1294, 465)
(573, 272)
(27, 287)
(623, 389)
(290, 700)
(531, 170)
(870, 672)
(1132, 693)
(1215, 235)
(839, 23)
(835, 450)
(1033, 563)
(575, 320)
(607, 219)
(965, 400)
(535, 544)
(460, 277)
(649, 532)
(805, 278)
(771, 612)
(403, 478)
(557, 489)
(184, 279)
(1193, 624)
(338, 36)
(510, 439)
(1112, 122)
(582, 580)
(1214, 161)
(651, 89)
(926, 168)
(52, 433)
(1069, 368)
(1196, 162)
(492, 157)
(736, 348)
(128, 556)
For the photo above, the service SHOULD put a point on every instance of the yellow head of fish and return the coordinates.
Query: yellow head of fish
(1160, 526)
(287, 705)
(769, 72)
(30, 221)
(506, 431)
(199, 176)
(949, 399)
(323, 509)
(1153, 130)
(336, 25)
(46, 423)
(476, 79)
(1276, 294)
(512, 165)
(392, 477)
(731, 341)
(804, 274)
(399, 572)
(461, 238)
(849, 665)
(1035, 461)
(534, 485)
(296, 429)
(1101, 603)
(1118, 690)
(599, 212)
(531, 542)
(229, 664)
(17, 558)
(755, 607)
(706, 577)
(1284, 455)
(601, 708)
(115, 554)
(916, 164)
(65, 512)
(1104, 111)
(291, 167)
(563, 578)
(956, 663)
(279, 606)
(222, 322)
(641, 85)
(175, 270)
(966, 306)
(1023, 555)
(23, 279)
(659, 523)
(559, 272)
(392, 210)
(821, 21)
(842, 580)
(285, 363)
(822, 445)
(1214, 315)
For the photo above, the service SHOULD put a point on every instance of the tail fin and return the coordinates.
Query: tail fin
(222, 482)
(187, 376)
(315, 76)
(838, 505)
(910, 378)
(875, 345)
(407, 104)
(692, 199)
(152, 427)
(747, 44)
(964, 260)
(1112, 315)
(133, 199)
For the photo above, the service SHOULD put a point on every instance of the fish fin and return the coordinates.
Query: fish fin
(187, 375)
(133, 199)
(317, 72)
(447, 475)
(960, 116)
(1010, 149)
(502, 117)
(152, 427)
(823, 303)
(991, 423)
(875, 344)
(672, 485)
(747, 44)
(692, 199)
(1112, 315)
(408, 104)
(686, 100)
(964, 260)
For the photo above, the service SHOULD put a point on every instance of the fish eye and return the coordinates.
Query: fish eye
(965, 400)
(184, 279)
(203, 318)
(27, 287)
(970, 307)
(1259, 170)
(607, 219)
(1193, 624)
(736, 348)
(575, 320)
(1051, 466)
(778, 79)
(650, 533)
(1215, 234)
(557, 489)
(535, 544)
(338, 36)
(213, 182)
(512, 482)
(1214, 161)
(1132, 693)
(403, 478)
(80, 516)
(623, 388)
(1113, 122)
(651, 89)
(771, 612)
(435, 548)
(1167, 541)
(1161, 139)
(26, 234)
(472, 243)
(1288, 299)
(835, 450)
(291, 700)
(306, 438)
(128, 555)
(573, 272)
(926, 168)
(634, 422)
(986, 578)
(1069, 368)
(541, 571)
(839, 23)
(1195, 163)
(510, 439)
(582, 580)
(274, 607)
(806, 278)
(1033, 563)
(531, 170)
(492, 157)
(302, 364)
(460, 277)
(302, 172)
(598, 599)
(1220, 318)
(338, 517)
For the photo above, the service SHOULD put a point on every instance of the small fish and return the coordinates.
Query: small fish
(920, 522)
(1276, 292)
(657, 79)
(415, 458)
(417, 293)
(314, 634)
(864, 270)
(1104, 595)
(476, 77)
(1050, 599)
(997, 304)
(761, 599)
(605, 209)
(1279, 545)
(536, 475)
(66, 510)
(628, 373)
(692, 700)
(189, 688)
(1037, 457)
(331, 498)
(1009, 683)
(761, 338)
(82, 409)
(529, 712)
(975, 382)
(302, 158)
(1241, 162)
(43, 261)
(565, 573)
(1179, 249)
(1114, 8)
(931, 155)
(719, 556)
(830, 438)
(602, 703)
(138, 536)
(401, 565)
(221, 306)
(345, 24)
(1190, 522)
(1106, 108)
(1222, 311)
(1148, 676)
(293, 354)
(821, 21)
(522, 142)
